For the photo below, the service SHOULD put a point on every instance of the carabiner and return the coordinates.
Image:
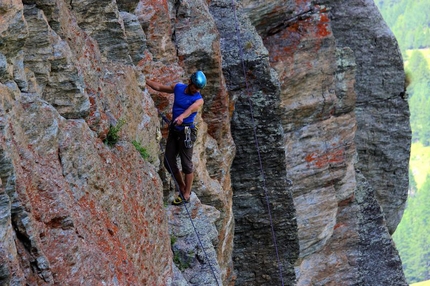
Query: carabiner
(187, 142)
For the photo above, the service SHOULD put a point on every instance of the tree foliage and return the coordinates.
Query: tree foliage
(412, 236)
(409, 20)
(419, 99)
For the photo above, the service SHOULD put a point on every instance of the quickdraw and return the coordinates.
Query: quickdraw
(188, 143)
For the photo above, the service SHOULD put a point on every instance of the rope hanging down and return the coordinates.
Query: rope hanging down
(256, 142)
(168, 122)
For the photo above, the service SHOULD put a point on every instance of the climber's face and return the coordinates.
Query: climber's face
(192, 89)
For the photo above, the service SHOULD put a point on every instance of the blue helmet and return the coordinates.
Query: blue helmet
(198, 79)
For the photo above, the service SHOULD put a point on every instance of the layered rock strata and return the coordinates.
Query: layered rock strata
(300, 161)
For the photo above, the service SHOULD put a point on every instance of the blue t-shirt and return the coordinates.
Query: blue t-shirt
(182, 101)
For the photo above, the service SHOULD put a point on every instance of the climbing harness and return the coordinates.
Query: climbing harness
(239, 40)
(189, 130)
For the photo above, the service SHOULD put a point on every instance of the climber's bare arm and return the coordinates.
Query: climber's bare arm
(160, 87)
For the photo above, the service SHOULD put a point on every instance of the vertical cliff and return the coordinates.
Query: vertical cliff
(301, 159)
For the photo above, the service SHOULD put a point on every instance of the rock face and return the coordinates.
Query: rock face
(301, 159)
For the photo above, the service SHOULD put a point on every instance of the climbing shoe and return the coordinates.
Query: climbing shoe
(179, 201)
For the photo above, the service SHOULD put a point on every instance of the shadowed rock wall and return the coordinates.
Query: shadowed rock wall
(259, 164)
(300, 162)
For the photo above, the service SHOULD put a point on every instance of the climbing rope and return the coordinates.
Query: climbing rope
(256, 142)
(168, 122)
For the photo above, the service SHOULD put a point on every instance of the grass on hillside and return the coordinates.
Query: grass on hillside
(419, 163)
(424, 283)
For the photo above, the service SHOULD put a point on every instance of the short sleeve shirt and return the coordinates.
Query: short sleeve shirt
(182, 101)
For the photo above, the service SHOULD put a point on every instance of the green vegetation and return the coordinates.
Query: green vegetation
(173, 240)
(141, 150)
(181, 263)
(419, 164)
(113, 136)
(425, 53)
(410, 22)
(425, 283)
(419, 100)
(412, 236)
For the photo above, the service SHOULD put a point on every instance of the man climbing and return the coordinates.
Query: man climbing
(182, 131)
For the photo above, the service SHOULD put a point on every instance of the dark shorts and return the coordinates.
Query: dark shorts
(175, 146)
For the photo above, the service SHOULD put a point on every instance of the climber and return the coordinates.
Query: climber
(182, 130)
